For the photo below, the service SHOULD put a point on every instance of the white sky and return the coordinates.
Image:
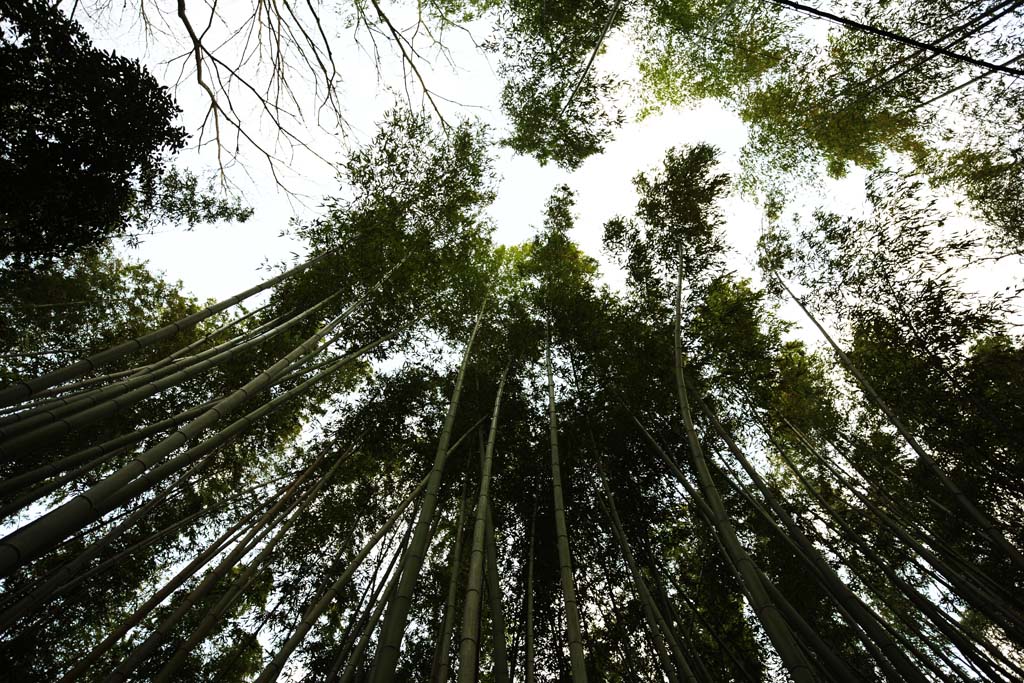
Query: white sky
(217, 261)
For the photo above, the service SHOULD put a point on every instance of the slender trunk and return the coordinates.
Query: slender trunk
(836, 667)
(577, 658)
(29, 542)
(771, 618)
(390, 593)
(723, 646)
(75, 566)
(214, 614)
(273, 669)
(531, 676)
(124, 393)
(353, 629)
(48, 427)
(973, 592)
(251, 540)
(442, 649)
(938, 619)
(134, 619)
(988, 527)
(91, 456)
(470, 642)
(27, 388)
(661, 631)
(494, 594)
(673, 618)
(393, 630)
(862, 615)
(114, 561)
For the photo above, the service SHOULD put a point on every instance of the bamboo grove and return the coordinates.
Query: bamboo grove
(422, 456)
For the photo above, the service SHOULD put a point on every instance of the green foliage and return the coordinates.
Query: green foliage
(407, 252)
(557, 104)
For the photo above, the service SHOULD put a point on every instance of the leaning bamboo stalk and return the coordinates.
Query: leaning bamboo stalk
(661, 631)
(862, 615)
(205, 511)
(273, 669)
(46, 428)
(470, 640)
(375, 601)
(91, 456)
(976, 594)
(27, 543)
(57, 408)
(987, 525)
(393, 629)
(114, 398)
(214, 614)
(723, 646)
(134, 619)
(771, 618)
(944, 557)
(27, 388)
(841, 671)
(962, 642)
(708, 515)
(255, 535)
(49, 583)
(356, 658)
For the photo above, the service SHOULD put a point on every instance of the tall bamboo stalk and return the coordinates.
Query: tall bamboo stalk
(470, 641)
(27, 543)
(530, 673)
(191, 569)
(443, 640)
(273, 669)
(393, 630)
(771, 618)
(861, 613)
(661, 630)
(987, 525)
(577, 658)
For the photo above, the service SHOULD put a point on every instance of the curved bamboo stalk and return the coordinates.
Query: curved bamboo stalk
(771, 618)
(253, 567)
(253, 537)
(661, 631)
(28, 542)
(863, 616)
(273, 669)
